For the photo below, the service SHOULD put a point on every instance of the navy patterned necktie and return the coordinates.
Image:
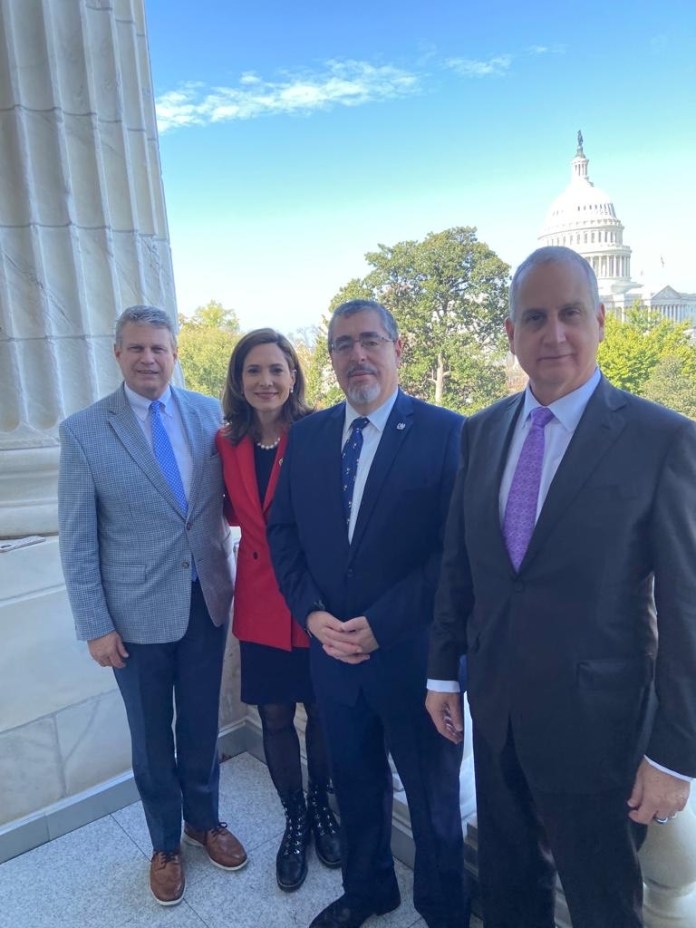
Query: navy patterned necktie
(349, 462)
(164, 453)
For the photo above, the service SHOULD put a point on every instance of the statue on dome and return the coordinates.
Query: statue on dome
(580, 140)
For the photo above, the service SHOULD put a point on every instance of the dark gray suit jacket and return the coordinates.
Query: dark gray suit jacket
(566, 649)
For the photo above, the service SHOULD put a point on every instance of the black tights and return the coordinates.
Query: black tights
(282, 747)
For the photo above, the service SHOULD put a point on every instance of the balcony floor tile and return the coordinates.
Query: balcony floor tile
(97, 876)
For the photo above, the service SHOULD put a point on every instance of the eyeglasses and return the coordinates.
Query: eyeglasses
(369, 341)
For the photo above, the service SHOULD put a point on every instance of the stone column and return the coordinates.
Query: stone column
(83, 234)
(668, 858)
(83, 229)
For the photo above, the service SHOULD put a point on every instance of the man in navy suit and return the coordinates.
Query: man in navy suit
(356, 537)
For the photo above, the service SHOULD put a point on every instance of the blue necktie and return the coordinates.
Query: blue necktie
(349, 462)
(164, 454)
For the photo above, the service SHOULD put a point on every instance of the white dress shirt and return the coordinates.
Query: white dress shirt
(372, 435)
(557, 435)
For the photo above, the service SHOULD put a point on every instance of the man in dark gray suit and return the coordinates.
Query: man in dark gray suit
(146, 562)
(570, 546)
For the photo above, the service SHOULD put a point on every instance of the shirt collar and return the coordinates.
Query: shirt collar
(569, 408)
(378, 417)
(141, 404)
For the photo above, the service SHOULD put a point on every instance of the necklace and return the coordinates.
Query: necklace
(273, 444)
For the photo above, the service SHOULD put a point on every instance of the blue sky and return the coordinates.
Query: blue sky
(294, 137)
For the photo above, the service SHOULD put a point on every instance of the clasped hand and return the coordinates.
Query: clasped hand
(351, 642)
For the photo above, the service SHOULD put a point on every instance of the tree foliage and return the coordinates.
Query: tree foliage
(671, 384)
(206, 340)
(449, 296)
(645, 352)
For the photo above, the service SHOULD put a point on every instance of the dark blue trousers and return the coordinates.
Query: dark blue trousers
(176, 768)
(358, 737)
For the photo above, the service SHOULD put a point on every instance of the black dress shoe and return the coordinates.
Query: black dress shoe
(342, 913)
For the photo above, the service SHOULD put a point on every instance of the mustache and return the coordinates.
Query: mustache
(361, 369)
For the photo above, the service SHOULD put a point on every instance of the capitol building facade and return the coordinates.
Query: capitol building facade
(583, 218)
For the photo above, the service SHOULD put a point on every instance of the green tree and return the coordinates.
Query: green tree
(672, 383)
(206, 340)
(449, 296)
(633, 348)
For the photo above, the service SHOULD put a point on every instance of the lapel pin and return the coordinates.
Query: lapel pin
(400, 425)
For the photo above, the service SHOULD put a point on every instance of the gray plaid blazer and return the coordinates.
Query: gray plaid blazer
(125, 546)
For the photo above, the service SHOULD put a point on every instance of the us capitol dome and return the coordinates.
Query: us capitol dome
(584, 219)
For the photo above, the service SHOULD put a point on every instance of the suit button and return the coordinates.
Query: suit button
(518, 586)
(188, 525)
(349, 572)
(186, 564)
(255, 555)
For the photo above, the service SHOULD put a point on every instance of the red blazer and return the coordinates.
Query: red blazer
(260, 614)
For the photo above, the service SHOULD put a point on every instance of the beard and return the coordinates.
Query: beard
(362, 394)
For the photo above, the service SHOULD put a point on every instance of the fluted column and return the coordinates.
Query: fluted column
(83, 229)
(668, 858)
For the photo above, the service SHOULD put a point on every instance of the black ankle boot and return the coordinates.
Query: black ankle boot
(324, 826)
(291, 860)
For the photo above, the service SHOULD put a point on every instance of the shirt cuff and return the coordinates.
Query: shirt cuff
(672, 773)
(444, 686)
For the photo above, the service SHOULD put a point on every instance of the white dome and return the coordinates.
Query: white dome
(583, 218)
(581, 205)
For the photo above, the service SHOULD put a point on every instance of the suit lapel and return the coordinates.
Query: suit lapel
(395, 432)
(275, 473)
(127, 428)
(327, 465)
(323, 470)
(598, 429)
(499, 434)
(246, 468)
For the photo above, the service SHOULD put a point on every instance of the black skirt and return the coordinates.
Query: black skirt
(271, 675)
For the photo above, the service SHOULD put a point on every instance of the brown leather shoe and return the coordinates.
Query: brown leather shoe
(167, 877)
(224, 850)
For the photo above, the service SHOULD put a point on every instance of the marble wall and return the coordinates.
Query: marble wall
(62, 723)
(63, 729)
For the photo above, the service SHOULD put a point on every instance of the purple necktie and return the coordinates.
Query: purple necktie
(521, 507)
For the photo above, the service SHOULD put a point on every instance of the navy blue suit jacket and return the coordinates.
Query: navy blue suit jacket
(389, 571)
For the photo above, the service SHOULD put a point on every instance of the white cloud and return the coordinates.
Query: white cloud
(556, 49)
(497, 66)
(337, 83)
(341, 83)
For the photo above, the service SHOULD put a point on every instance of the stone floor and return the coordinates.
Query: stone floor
(96, 877)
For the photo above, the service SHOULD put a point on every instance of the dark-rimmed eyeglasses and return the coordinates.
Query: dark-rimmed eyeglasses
(369, 341)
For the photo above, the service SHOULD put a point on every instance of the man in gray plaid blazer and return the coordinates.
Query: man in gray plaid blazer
(145, 554)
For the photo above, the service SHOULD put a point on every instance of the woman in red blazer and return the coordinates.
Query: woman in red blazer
(264, 394)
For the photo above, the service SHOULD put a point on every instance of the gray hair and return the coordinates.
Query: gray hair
(557, 254)
(144, 315)
(350, 308)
